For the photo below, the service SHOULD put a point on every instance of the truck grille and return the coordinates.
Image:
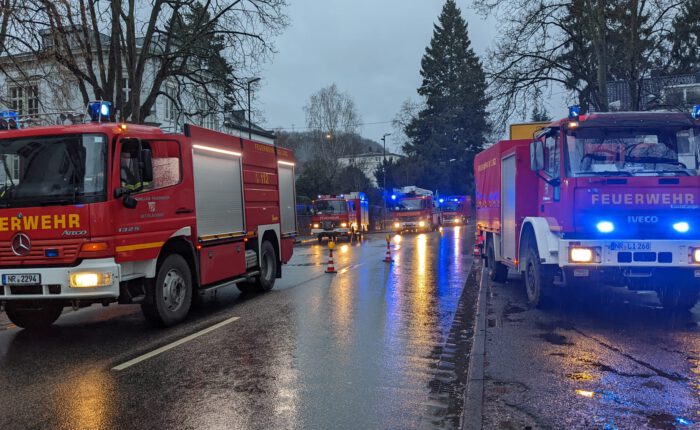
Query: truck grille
(67, 253)
(328, 225)
(645, 257)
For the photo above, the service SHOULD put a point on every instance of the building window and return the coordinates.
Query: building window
(171, 112)
(24, 99)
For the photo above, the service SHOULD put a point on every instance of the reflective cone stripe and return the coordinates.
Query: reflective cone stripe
(387, 258)
(331, 265)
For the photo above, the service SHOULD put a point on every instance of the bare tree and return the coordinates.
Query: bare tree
(333, 116)
(132, 51)
(577, 45)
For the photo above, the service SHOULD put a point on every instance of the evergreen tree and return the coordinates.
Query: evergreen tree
(685, 39)
(539, 114)
(450, 130)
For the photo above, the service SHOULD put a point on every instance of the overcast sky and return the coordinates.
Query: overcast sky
(370, 48)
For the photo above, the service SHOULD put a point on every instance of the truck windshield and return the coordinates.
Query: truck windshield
(330, 207)
(451, 207)
(52, 170)
(408, 205)
(633, 152)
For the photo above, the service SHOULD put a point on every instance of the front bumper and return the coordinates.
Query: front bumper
(408, 225)
(631, 254)
(55, 282)
(319, 232)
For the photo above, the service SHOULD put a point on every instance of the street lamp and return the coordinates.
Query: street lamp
(250, 110)
(384, 174)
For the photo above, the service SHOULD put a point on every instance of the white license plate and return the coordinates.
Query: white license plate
(21, 279)
(630, 246)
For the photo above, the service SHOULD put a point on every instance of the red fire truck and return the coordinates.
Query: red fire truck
(602, 198)
(413, 209)
(346, 215)
(456, 210)
(102, 212)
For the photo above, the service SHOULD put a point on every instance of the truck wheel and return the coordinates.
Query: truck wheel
(33, 315)
(169, 297)
(538, 281)
(265, 281)
(320, 239)
(678, 298)
(497, 271)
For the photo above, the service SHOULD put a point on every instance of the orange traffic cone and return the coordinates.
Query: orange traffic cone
(387, 258)
(331, 266)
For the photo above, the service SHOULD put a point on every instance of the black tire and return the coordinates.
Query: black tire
(320, 239)
(169, 296)
(497, 272)
(265, 281)
(538, 279)
(33, 315)
(678, 297)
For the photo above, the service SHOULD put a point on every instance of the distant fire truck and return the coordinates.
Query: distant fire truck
(603, 198)
(346, 215)
(103, 212)
(456, 210)
(413, 209)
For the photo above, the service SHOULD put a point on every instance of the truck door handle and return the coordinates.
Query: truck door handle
(184, 211)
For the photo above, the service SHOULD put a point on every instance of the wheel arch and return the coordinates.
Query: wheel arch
(546, 241)
(183, 247)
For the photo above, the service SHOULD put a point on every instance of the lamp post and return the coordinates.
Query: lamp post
(250, 110)
(384, 174)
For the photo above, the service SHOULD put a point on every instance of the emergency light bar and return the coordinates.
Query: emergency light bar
(99, 110)
(696, 112)
(574, 111)
(9, 119)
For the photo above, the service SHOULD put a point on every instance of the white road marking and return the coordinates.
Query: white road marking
(175, 344)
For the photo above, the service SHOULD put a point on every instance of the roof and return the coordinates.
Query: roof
(630, 119)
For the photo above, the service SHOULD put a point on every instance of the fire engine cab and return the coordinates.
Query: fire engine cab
(601, 198)
(346, 215)
(456, 210)
(413, 209)
(101, 212)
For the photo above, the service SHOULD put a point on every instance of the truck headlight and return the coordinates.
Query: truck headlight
(421, 224)
(343, 225)
(397, 225)
(90, 279)
(316, 225)
(579, 254)
(695, 255)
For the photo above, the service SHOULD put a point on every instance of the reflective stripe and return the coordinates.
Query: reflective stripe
(139, 246)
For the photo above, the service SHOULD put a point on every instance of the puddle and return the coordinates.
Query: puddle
(555, 339)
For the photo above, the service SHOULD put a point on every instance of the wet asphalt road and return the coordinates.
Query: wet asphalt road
(358, 350)
(623, 364)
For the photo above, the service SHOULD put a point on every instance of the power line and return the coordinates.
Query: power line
(301, 129)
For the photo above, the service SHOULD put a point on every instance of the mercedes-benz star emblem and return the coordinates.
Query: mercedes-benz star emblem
(21, 245)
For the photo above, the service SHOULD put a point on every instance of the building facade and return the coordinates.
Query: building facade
(368, 163)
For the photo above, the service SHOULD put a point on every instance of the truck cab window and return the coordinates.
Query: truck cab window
(552, 156)
(130, 167)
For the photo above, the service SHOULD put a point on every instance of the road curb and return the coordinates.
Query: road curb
(474, 396)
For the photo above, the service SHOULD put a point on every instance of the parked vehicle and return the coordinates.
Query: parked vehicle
(102, 212)
(414, 209)
(456, 210)
(336, 216)
(602, 198)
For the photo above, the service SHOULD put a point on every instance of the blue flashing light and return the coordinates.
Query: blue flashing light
(684, 422)
(393, 197)
(696, 112)
(605, 227)
(51, 253)
(574, 111)
(99, 110)
(9, 119)
(681, 227)
(442, 201)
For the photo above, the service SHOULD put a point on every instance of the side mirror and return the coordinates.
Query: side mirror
(146, 166)
(129, 202)
(536, 156)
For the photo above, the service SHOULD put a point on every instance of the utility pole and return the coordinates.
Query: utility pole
(384, 176)
(250, 109)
